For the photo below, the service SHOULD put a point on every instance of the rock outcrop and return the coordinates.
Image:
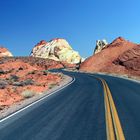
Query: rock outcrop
(5, 52)
(56, 49)
(100, 45)
(130, 60)
(120, 57)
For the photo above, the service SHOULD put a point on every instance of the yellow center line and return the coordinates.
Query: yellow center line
(113, 126)
(109, 122)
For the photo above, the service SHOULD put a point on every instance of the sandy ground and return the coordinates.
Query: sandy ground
(19, 105)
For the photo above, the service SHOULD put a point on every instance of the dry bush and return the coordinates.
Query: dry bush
(28, 93)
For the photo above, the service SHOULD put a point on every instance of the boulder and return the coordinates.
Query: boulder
(100, 45)
(58, 50)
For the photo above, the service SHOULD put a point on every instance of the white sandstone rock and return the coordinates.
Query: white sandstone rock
(100, 45)
(56, 49)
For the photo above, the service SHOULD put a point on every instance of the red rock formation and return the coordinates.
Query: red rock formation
(130, 60)
(120, 56)
(34, 61)
(42, 42)
(2, 50)
(25, 73)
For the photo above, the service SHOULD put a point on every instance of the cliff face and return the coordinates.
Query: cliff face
(58, 50)
(120, 56)
(5, 52)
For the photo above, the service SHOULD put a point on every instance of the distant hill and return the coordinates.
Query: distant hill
(119, 57)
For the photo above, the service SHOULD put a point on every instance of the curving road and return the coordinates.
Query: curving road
(126, 95)
(77, 112)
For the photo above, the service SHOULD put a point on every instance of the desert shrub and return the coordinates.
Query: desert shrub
(129, 76)
(45, 72)
(23, 83)
(32, 72)
(8, 71)
(3, 84)
(20, 68)
(18, 84)
(1, 107)
(28, 93)
(2, 72)
(13, 78)
(52, 85)
(28, 82)
(38, 84)
(60, 75)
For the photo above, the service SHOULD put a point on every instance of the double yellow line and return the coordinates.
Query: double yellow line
(113, 125)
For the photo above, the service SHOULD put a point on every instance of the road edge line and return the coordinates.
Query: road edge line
(35, 102)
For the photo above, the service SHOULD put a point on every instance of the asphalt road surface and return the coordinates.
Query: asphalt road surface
(77, 112)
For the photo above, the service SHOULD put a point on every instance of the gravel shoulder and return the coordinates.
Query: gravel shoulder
(131, 78)
(19, 105)
(134, 79)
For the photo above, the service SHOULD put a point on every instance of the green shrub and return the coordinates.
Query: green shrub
(28, 93)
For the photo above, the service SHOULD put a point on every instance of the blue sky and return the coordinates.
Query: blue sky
(23, 23)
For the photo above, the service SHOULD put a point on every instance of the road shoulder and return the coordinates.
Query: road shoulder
(19, 105)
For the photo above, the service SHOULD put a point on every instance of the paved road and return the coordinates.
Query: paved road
(126, 95)
(77, 112)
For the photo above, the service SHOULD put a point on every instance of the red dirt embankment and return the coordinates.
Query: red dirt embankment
(20, 79)
(119, 57)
